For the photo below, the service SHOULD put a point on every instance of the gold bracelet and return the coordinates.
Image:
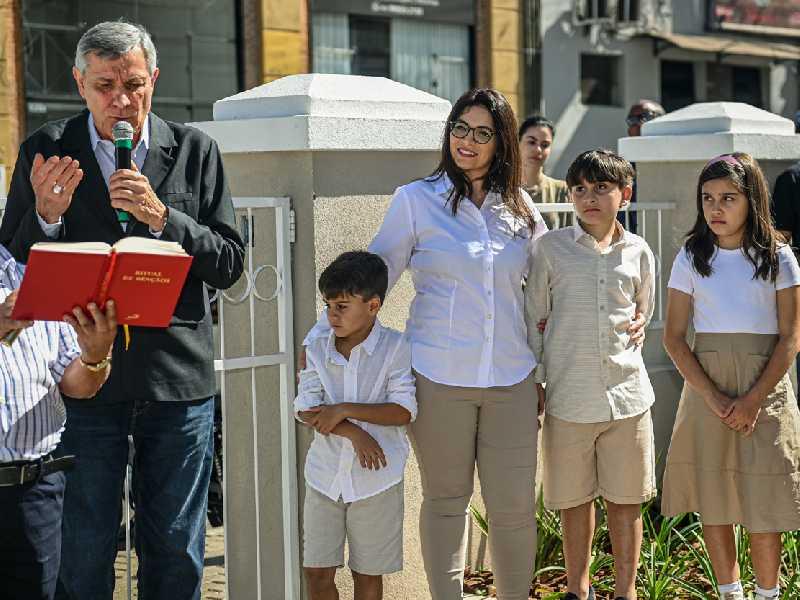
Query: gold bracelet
(96, 367)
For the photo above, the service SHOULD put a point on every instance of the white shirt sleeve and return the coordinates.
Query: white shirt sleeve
(320, 329)
(400, 386)
(51, 230)
(396, 238)
(309, 391)
(788, 269)
(681, 277)
(646, 294)
(537, 306)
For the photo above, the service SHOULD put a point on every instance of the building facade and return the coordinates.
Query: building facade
(597, 57)
(210, 49)
(580, 62)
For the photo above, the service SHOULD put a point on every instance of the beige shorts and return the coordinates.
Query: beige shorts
(582, 461)
(373, 528)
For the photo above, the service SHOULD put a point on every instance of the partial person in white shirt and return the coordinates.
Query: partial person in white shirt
(466, 234)
(357, 392)
(590, 281)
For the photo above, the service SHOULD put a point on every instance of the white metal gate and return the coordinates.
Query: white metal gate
(247, 209)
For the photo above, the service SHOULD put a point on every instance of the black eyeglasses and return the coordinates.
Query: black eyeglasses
(642, 117)
(481, 135)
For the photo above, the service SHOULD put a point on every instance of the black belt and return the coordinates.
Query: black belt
(22, 473)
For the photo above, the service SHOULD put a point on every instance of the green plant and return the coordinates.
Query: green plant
(674, 561)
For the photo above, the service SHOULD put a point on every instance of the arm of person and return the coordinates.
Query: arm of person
(784, 200)
(645, 298)
(33, 211)
(95, 333)
(679, 306)
(537, 307)
(212, 240)
(394, 243)
(747, 408)
(310, 394)
(537, 311)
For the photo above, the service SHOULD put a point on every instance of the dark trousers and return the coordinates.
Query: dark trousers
(30, 538)
(171, 470)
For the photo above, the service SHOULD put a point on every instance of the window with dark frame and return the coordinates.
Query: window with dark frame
(733, 83)
(627, 11)
(370, 42)
(600, 80)
(677, 84)
(197, 44)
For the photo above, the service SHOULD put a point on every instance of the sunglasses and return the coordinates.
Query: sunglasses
(481, 135)
(642, 117)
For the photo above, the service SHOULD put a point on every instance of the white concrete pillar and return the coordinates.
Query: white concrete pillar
(338, 146)
(669, 156)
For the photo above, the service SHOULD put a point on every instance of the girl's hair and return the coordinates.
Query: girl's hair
(536, 121)
(760, 239)
(504, 175)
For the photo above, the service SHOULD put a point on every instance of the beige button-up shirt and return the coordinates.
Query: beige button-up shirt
(589, 297)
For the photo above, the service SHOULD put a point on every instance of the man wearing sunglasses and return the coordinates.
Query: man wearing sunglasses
(640, 113)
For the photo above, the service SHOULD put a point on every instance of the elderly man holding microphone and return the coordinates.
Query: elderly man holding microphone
(66, 186)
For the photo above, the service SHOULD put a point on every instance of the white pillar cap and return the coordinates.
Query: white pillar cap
(706, 129)
(329, 112)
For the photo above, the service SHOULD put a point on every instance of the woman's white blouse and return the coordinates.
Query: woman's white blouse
(467, 321)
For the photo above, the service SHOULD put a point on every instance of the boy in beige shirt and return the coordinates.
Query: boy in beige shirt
(590, 281)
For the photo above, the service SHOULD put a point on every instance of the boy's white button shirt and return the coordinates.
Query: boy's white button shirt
(589, 297)
(379, 371)
(467, 322)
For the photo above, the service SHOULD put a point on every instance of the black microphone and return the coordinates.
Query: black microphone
(122, 133)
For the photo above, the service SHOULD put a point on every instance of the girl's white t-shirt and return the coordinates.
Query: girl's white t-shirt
(730, 300)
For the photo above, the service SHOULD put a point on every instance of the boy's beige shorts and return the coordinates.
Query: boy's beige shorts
(583, 461)
(373, 528)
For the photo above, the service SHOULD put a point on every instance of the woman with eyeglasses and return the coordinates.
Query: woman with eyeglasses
(466, 234)
(536, 136)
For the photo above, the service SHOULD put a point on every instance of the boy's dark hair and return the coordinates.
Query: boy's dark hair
(600, 165)
(536, 121)
(760, 239)
(355, 273)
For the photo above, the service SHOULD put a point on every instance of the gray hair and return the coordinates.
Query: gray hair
(113, 39)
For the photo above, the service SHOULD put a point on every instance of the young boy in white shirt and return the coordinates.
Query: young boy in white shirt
(590, 281)
(357, 392)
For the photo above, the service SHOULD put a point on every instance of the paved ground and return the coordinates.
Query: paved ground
(213, 573)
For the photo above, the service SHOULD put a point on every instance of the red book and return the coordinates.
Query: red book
(143, 276)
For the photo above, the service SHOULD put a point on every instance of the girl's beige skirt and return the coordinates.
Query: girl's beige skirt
(720, 473)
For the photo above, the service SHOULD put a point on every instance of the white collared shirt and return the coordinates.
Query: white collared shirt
(589, 296)
(378, 371)
(104, 153)
(466, 323)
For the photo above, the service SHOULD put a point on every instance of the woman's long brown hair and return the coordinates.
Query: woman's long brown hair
(504, 176)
